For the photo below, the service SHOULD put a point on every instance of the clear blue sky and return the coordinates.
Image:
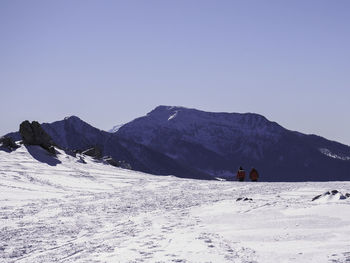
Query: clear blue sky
(109, 62)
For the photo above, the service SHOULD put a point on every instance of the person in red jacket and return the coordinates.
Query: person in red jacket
(240, 174)
(254, 175)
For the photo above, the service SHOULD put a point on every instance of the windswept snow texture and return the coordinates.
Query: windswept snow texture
(61, 210)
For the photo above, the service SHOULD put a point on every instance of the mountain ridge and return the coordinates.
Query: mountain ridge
(209, 140)
(205, 145)
(72, 133)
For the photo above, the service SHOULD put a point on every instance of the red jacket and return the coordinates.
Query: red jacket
(240, 174)
(254, 175)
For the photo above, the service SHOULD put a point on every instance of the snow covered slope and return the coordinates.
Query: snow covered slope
(62, 210)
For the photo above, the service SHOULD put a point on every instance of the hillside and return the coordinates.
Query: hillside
(72, 133)
(218, 143)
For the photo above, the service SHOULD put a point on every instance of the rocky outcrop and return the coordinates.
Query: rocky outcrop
(121, 164)
(331, 196)
(124, 165)
(111, 161)
(94, 152)
(8, 143)
(244, 199)
(34, 134)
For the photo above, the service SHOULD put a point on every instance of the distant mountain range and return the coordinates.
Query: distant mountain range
(204, 145)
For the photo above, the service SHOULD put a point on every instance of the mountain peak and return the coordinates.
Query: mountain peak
(72, 118)
(167, 109)
(185, 115)
(212, 130)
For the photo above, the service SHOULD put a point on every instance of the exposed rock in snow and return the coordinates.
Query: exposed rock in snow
(330, 196)
(34, 134)
(244, 199)
(94, 152)
(8, 143)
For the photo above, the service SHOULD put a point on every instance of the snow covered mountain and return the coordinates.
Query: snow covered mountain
(204, 145)
(218, 143)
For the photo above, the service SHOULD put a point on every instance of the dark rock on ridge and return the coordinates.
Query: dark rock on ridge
(8, 143)
(34, 134)
(111, 161)
(121, 164)
(316, 197)
(94, 152)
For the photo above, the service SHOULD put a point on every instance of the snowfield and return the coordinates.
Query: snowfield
(62, 210)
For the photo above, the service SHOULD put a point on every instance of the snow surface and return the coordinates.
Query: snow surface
(172, 116)
(61, 210)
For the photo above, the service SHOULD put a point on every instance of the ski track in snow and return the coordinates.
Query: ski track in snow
(73, 212)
